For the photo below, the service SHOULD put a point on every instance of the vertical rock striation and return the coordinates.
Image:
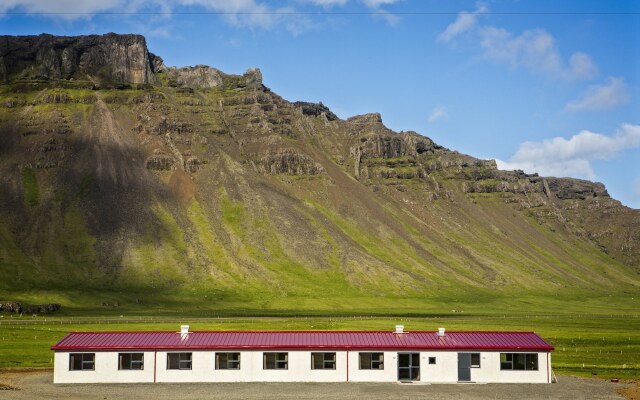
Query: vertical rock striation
(109, 58)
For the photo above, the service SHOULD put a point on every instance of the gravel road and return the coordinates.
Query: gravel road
(35, 385)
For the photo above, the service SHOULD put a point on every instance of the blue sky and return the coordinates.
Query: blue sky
(545, 86)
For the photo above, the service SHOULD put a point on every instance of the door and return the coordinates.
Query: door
(408, 366)
(464, 367)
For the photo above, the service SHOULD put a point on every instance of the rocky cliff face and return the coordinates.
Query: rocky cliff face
(201, 179)
(107, 58)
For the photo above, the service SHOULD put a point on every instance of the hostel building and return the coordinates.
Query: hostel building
(295, 356)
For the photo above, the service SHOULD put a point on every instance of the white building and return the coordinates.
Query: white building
(318, 356)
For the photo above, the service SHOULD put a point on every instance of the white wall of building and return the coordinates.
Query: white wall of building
(105, 370)
(299, 369)
(388, 374)
(251, 369)
(489, 371)
(444, 370)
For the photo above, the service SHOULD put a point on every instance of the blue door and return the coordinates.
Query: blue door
(464, 367)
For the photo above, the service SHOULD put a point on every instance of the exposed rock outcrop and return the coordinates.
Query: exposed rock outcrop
(206, 77)
(107, 58)
(200, 76)
(366, 119)
(289, 162)
(253, 78)
(569, 188)
(315, 109)
(397, 145)
(161, 162)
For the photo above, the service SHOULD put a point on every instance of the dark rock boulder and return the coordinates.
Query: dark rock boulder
(17, 308)
(569, 188)
(315, 109)
(10, 307)
(161, 162)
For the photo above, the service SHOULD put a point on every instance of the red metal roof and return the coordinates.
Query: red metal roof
(298, 340)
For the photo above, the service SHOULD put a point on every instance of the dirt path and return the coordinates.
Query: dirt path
(34, 385)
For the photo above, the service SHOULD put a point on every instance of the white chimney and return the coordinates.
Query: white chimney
(440, 332)
(184, 329)
(399, 328)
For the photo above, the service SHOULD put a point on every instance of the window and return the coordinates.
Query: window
(323, 360)
(519, 361)
(179, 361)
(432, 360)
(227, 360)
(82, 361)
(475, 360)
(275, 361)
(371, 360)
(131, 361)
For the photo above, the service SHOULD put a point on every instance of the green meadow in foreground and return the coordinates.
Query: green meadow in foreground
(596, 336)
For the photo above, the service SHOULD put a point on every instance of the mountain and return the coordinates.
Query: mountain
(120, 174)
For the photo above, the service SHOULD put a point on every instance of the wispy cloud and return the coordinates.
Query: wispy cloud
(437, 114)
(464, 22)
(325, 3)
(378, 3)
(613, 93)
(536, 51)
(376, 6)
(243, 13)
(573, 156)
(254, 14)
(63, 9)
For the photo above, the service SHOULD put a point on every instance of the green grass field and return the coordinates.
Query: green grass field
(594, 335)
(587, 345)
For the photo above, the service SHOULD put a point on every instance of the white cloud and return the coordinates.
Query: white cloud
(253, 14)
(536, 51)
(463, 23)
(65, 9)
(614, 93)
(572, 157)
(378, 3)
(242, 13)
(438, 113)
(326, 3)
(375, 6)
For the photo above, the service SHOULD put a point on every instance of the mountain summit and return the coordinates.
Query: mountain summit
(118, 173)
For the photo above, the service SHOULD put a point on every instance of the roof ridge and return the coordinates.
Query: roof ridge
(297, 331)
